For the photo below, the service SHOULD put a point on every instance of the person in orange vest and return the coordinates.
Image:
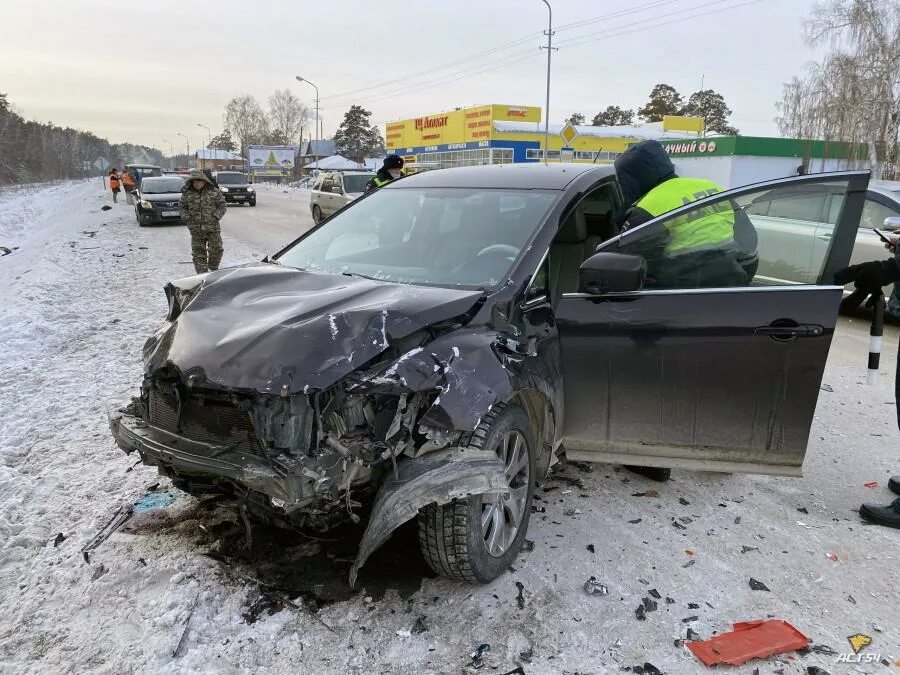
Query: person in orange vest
(129, 186)
(114, 183)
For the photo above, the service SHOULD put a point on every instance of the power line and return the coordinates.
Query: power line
(430, 71)
(343, 96)
(452, 77)
(612, 32)
(614, 15)
(519, 56)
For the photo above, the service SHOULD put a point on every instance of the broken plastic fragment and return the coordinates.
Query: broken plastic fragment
(757, 585)
(749, 640)
(478, 655)
(871, 484)
(649, 605)
(654, 593)
(594, 587)
(646, 669)
(419, 626)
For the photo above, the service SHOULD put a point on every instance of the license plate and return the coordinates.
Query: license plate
(170, 214)
(238, 198)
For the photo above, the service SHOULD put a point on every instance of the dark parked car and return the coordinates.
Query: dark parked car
(158, 200)
(235, 187)
(428, 350)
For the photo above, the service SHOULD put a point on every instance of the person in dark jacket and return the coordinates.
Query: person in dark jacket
(869, 278)
(391, 169)
(715, 250)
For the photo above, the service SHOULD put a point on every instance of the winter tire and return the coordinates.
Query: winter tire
(317, 214)
(477, 538)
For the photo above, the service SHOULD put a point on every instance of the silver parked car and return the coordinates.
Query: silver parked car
(793, 214)
(333, 191)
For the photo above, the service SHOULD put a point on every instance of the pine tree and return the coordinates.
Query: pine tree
(357, 137)
(664, 100)
(613, 116)
(576, 119)
(710, 105)
(222, 141)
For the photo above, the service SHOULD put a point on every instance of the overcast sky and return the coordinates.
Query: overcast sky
(142, 71)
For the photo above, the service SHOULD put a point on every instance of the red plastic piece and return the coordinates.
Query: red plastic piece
(749, 640)
(872, 484)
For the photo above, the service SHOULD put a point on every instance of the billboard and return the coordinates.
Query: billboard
(274, 160)
(461, 126)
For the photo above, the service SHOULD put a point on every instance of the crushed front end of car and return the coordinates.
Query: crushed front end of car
(314, 400)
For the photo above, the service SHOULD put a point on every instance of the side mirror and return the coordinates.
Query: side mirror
(612, 273)
(892, 223)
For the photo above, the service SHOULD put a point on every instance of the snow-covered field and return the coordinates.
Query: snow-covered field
(175, 591)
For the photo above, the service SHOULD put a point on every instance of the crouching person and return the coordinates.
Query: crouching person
(202, 207)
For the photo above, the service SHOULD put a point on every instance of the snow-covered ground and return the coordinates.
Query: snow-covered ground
(175, 591)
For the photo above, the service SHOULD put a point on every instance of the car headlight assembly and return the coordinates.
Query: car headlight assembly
(146, 204)
(223, 189)
(250, 189)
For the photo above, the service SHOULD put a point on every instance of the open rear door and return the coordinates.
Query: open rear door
(710, 371)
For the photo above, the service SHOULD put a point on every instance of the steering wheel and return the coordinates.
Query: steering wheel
(503, 249)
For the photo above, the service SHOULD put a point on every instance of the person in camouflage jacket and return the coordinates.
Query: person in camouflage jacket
(202, 207)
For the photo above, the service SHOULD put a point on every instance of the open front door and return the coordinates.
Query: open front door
(716, 363)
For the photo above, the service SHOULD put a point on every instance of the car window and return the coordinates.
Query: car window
(231, 179)
(153, 186)
(807, 208)
(317, 185)
(356, 182)
(391, 235)
(728, 243)
(874, 213)
(327, 184)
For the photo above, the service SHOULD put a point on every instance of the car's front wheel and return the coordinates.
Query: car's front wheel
(317, 214)
(477, 538)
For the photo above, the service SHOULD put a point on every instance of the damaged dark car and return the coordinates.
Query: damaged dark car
(429, 350)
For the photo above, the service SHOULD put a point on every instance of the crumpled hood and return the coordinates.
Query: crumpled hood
(263, 326)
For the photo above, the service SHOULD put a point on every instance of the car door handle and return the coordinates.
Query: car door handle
(790, 332)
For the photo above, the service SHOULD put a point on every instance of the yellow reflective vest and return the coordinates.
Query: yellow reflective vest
(702, 229)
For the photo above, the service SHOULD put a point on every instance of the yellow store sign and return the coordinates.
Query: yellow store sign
(464, 125)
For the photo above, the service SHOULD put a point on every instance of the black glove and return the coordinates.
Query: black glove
(869, 277)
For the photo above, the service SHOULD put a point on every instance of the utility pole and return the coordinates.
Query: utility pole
(549, 48)
(300, 79)
(187, 144)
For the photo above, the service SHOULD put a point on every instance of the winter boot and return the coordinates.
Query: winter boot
(651, 472)
(888, 516)
(894, 484)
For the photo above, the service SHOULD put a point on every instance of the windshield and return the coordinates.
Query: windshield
(157, 186)
(231, 178)
(439, 236)
(356, 182)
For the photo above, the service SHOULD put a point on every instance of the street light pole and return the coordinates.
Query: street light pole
(171, 152)
(549, 49)
(187, 144)
(208, 136)
(300, 79)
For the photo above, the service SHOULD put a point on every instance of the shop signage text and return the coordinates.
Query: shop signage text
(430, 122)
(689, 147)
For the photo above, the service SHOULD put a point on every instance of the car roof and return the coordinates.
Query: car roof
(529, 176)
(888, 188)
(143, 166)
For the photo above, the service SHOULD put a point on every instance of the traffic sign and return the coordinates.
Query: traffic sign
(101, 163)
(568, 132)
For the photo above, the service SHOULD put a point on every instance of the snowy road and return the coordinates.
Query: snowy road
(174, 591)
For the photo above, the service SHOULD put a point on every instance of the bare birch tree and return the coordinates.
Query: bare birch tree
(854, 94)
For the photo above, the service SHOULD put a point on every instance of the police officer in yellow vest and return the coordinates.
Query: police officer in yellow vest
(391, 170)
(700, 250)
